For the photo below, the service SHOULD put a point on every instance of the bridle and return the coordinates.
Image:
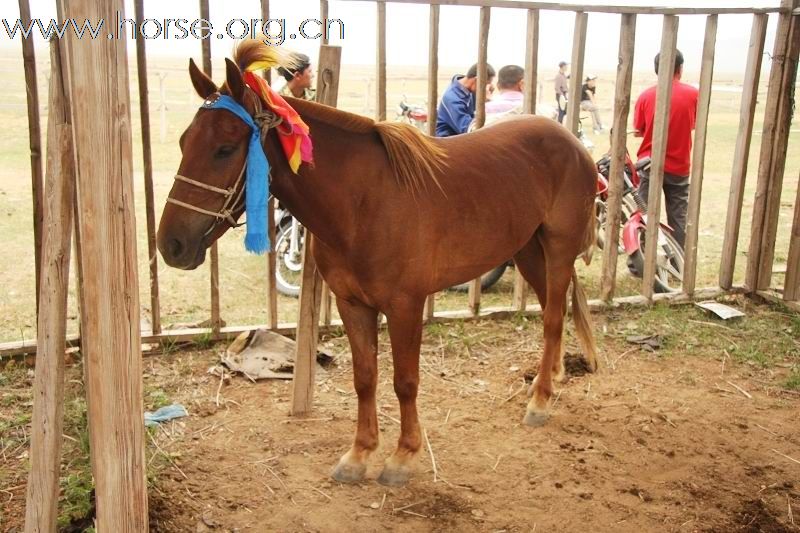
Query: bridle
(266, 119)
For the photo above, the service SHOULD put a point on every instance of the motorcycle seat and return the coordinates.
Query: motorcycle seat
(643, 163)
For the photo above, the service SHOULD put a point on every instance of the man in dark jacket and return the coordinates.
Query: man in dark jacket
(457, 108)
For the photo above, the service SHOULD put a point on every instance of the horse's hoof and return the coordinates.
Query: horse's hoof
(394, 476)
(349, 472)
(535, 419)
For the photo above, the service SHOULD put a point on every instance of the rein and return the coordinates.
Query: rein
(265, 119)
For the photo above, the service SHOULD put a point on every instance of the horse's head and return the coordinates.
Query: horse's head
(207, 197)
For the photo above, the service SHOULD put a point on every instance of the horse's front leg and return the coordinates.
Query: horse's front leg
(405, 330)
(361, 325)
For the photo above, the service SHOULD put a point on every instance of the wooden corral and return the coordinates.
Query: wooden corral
(110, 338)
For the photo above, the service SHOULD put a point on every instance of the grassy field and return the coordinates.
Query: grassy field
(185, 295)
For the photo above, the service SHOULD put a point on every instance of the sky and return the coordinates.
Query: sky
(407, 33)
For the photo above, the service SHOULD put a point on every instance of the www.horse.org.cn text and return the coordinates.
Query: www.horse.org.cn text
(274, 30)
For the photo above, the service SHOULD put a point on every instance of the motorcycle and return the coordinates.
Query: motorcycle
(289, 238)
(414, 115)
(633, 221)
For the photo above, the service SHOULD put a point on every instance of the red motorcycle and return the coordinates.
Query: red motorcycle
(633, 221)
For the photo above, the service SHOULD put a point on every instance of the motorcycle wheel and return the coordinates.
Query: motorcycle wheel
(601, 213)
(669, 262)
(487, 280)
(289, 265)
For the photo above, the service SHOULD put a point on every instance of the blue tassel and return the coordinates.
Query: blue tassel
(257, 243)
(256, 179)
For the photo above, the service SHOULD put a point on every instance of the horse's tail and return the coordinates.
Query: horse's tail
(589, 240)
(583, 323)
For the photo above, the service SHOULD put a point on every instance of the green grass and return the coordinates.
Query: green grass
(793, 381)
(185, 295)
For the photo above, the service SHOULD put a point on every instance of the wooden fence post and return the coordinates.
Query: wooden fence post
(433, 97)
(34, 140)
(380, 63)
(305, 361)
(669, 39)
(111, 342)
(323, 16)
(698, 156)
(791, 284)
(576, 71)
(741, 154)
(480, 119)
(616, 183)
(520, 295)
(41, 510)
(149, 201)
(772, 160)
(216, 321)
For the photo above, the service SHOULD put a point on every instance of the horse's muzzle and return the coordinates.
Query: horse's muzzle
(178, 252)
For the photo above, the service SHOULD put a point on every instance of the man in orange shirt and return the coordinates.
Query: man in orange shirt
(682, 118)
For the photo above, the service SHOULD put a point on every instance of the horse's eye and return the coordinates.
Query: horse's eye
(224, 151)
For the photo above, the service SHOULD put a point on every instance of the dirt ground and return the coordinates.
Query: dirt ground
(694, 436)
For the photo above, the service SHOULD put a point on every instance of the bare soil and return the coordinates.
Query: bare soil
(684, 438)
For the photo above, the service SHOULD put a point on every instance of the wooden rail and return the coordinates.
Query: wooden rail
(329, 64)
(216, 320)
(669, 39)
(147, 154)
(622, 103)
(34, 140)
(741, 155)
(41, 511)
(699, 155)
(557, 6)
(111, 345)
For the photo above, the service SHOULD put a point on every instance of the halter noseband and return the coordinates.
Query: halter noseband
(265, 119)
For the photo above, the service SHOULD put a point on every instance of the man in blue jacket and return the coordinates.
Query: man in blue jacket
(457, 108)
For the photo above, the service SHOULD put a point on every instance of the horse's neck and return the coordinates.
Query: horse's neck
(321, 196)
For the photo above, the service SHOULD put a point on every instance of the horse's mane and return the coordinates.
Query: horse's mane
(414, 158)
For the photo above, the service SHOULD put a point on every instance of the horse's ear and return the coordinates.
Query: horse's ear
(204, 85)
(235, 80)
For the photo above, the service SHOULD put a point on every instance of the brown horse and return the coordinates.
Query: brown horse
(397, 216)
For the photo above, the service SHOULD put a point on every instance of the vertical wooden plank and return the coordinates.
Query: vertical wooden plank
(480, 120)
(520, 294)
(791, 284)
(216, 321)
(433, 98)
(616, 183)
(483, 76)
(328, 94)
(531, 62)
(268, 72)
(380, 85)
(271, 256)
(699, 156)
(149, 201)
(669, 39)
(34, 140)
(272, 268)
(741, 154)
(777, 121)
(111, 340)
(323, 16)
(576, 71)
(41, 510)
(329, 64)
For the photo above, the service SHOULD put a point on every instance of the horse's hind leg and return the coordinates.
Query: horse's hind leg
(361, 325)
(405, 331)
(531, 263)
(559, 265)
